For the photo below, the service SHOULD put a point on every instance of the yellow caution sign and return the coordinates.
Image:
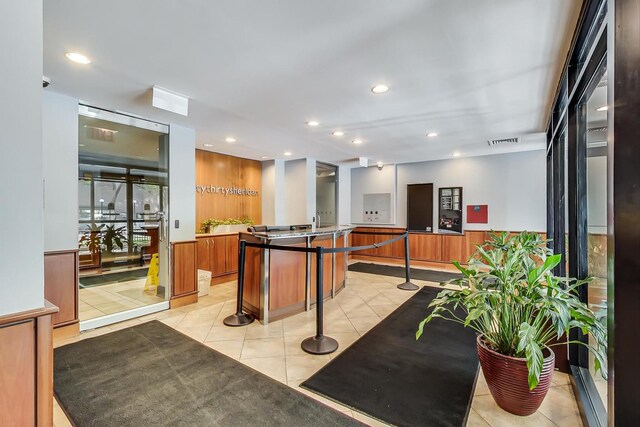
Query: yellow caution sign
(151, 286)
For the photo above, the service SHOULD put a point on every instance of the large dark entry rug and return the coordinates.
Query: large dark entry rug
(397, 271)
(390, 376)
(152, 375)
(109, 278)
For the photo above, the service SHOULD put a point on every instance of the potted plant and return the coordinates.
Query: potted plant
(510, 297)
(211, 225)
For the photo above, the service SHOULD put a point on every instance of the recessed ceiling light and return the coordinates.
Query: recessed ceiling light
(208, 145)
(287, 153)
(456, 154)
(78, 57)
(265, 157)
(380, 89)
(313, 123)
(230, 139)
(357, 141)
(81, 145)
(432, 134)
(603, 108)
(337, 133)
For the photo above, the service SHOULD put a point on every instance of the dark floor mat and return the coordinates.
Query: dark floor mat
(390, 376)
(398, 271)
(152, 375)
(110, 278)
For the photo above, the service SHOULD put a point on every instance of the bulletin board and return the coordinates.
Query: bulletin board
(477, 214)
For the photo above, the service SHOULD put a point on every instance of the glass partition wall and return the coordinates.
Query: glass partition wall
(122, 233)
(326, 195)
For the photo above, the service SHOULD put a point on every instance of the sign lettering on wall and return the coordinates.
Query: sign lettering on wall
(225, 191)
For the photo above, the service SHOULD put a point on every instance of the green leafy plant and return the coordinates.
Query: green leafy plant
(105, 237)
(511, 297)
(212, 223)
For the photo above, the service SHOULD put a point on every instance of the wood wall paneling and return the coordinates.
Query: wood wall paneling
(472, 239)
(251, 294)
(287, 277)
(425, 247)
(452, 248)
(26, 367)
(327, 269)
(185, 278)
(340, 241)
(61, 285)
(17, 382)
(221, 170)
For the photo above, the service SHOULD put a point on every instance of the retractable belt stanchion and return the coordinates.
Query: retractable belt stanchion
(240, 318)
(319, 344)
(407, 285)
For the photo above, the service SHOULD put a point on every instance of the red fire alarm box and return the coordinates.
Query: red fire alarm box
(477, 214)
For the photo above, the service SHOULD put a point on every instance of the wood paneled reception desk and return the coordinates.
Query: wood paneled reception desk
(280, 283)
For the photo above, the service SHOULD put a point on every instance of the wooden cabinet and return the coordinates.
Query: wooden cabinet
(218, 254)
(231, 259)
(452, 248)
(424, 247)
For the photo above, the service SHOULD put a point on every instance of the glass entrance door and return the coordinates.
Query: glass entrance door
(326, 195)
(122, 230)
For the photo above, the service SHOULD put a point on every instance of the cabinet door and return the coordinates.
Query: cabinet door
(203, 254)
(452, 248)
(232, 253)
(218, 254)
(425, 247)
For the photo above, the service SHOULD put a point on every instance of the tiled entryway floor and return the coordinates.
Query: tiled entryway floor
(98, 301)
(275, 349)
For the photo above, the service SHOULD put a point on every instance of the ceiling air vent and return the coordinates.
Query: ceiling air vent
(493, 142)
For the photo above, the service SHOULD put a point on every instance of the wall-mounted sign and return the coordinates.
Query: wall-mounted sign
(225, 191)
(477, 214)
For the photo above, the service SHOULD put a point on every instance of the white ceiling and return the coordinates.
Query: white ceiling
(258, 70)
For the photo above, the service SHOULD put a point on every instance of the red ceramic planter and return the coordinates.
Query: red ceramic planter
(507, 378)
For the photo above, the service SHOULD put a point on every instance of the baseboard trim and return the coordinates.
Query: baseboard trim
(183, 300)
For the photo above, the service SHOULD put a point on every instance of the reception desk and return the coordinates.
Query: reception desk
(281, 283)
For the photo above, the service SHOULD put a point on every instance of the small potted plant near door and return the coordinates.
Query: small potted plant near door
(509, 295)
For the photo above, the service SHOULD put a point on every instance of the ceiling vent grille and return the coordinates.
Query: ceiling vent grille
(493, 142)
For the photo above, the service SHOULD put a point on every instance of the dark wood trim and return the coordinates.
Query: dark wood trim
(46, 310)
(624, 206)
(182, 300)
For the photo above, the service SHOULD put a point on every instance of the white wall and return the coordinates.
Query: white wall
(371, 181)
(273, 192)
(296, 191)
(344, 195)
(513, 185)
(60, 167)
(182, 182)
(21, 193)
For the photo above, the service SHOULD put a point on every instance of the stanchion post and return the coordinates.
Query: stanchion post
(319, 344)
(407, 285)
(240, 318)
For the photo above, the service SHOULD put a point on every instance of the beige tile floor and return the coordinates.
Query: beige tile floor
(99, 301)
(275, 349)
